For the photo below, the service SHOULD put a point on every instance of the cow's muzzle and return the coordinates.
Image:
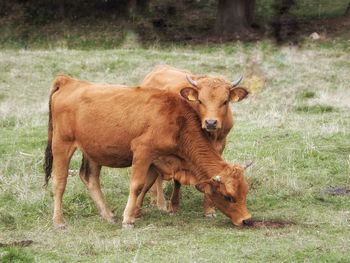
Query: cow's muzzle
(211, 125)
(245, 221)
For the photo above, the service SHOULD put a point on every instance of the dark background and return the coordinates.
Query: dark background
(106, 23)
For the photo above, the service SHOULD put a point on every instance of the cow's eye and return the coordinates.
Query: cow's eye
(199, 101)
(225, 103)
(230, 199)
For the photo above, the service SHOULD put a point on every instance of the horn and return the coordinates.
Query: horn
(217, 178)
(193, 82)
(237, 81)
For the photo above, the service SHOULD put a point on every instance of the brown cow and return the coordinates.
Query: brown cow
(209, 97)
(151, 130)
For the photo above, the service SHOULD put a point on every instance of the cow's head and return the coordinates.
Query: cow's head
(228, 192)
(211, 96)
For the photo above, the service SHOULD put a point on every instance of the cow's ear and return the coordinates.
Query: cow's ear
(190, 94)
(238, 94)
(205, 187)
(209, 186)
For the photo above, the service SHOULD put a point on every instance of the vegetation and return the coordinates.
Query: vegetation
(71, 24)
(296, 129)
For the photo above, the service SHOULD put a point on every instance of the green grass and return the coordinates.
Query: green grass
(315, 108)
(307, 94)
(296, 130)
(15, 255)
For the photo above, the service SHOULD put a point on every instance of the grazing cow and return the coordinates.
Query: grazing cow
(209, 97)
(151, 130)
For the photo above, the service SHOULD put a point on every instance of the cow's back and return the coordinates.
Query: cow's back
(166, 78)
(103, 120)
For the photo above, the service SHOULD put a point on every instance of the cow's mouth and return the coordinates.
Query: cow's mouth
(211, 129)
(244, 221)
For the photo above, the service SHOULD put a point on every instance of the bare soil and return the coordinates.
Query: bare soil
(337, 190)
(269, 224)
(21, 243)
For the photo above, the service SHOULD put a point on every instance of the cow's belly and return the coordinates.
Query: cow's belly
(115, 160)
(117, 155)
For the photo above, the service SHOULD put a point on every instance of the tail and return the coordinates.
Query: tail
(48, 152)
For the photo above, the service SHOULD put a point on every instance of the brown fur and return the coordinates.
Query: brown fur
(104, 121)
(212, 95)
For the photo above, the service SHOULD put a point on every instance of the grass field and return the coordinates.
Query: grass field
(296, 130)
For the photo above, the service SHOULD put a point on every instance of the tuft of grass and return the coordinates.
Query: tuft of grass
(8, 122)
(307, 94)
(7, 220)
(315, 109)
(16, 255)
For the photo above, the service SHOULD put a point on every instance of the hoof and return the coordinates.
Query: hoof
(110, 217)
(138, 214)
(128, 226)
(163, 208)
(60, 226)
(58, 222)
(111, 220)
(210, 215)
(173, 210)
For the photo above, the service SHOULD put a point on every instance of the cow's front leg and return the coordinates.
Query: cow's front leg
(152, 175)
(209, 208)
(174, 205)
(157, 195)
(141, 163)
(153, 194)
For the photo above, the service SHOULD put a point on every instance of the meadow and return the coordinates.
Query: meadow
(296, 130)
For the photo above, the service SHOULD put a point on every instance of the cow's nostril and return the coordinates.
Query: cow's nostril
(211, 124)
(248, 222)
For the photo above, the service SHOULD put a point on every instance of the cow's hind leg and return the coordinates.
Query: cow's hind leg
(62, 153)
(90, 175)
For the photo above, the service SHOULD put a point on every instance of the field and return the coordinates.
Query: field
(296, 130)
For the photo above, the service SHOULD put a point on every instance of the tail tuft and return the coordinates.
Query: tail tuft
(48, 163)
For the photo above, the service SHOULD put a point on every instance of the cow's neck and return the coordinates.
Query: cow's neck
(213, 136)
(196, 149)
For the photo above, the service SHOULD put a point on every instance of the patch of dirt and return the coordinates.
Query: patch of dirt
(269, 224)
(340, 190)
(21, 243)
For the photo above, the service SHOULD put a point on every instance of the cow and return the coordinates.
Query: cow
(152, 131)
(209, 97)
